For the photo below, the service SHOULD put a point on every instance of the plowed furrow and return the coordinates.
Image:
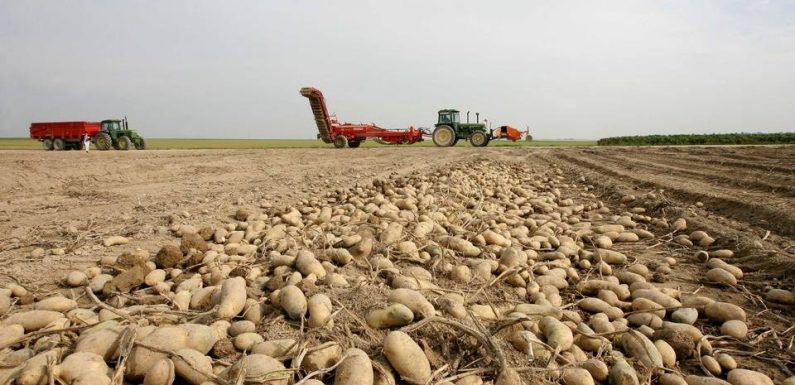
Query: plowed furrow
(772, 216)
(714, 176)
(783, 167)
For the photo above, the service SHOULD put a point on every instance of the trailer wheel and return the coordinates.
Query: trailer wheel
(103, 141)
(444, 136)
(58, 145)
(125, 143)
(354, 143)
(340, 141)
(479, 139)
(47, 144)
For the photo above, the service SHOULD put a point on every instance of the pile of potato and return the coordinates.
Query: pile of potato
(529, 282)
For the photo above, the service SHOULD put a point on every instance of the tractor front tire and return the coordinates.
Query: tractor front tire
(444, 136)
(59, 145)
(103, 142)
(47, 144)
(141, 145)
(125, 143)
(479, 139)
(340, 141)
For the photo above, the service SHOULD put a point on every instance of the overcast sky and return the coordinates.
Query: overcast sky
(569, 69)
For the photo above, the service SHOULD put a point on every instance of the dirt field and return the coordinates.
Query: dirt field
(66, 203)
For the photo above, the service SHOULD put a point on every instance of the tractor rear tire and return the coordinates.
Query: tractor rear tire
(141, 145)
(47, 144)
(125, 143)
(340, 141)
(58, 145)
(444, 136)
(479, 139)
(103, 142)
(354, 143)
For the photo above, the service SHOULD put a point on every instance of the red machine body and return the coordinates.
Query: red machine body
(63, 130)
(330, 130)
(508, 132)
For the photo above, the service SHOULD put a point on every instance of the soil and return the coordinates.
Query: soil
(66, 203)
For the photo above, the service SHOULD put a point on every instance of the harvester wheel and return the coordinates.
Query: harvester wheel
(141, 145)
(340, 141)
(125, 143)
(58, 145)
(444, 136)
(103, 142)
(479, 139)
(354, 143)
(47, 144)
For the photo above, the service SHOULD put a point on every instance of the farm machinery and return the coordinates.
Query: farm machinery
(447, 132)
(107, 134)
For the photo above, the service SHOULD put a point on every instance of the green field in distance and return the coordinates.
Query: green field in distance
(225, 144)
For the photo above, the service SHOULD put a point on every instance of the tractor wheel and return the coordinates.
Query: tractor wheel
(455, 142)
(444, 136)
(103, 142)
(141, 145)
(58, 145)
(340, 141)
(479, 139)
(354, 143)
(125, 143)
(47, 144)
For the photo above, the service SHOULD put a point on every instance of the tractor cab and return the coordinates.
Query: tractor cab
(449, 117)
(112, 126)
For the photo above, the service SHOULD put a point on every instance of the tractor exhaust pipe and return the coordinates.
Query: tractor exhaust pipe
(467, 117)
(477, 117)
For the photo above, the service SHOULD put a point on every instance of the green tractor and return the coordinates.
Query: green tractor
(449, 130)
(117, 134)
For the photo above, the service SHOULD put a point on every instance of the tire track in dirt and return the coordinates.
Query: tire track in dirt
(721, 177)
(777, 219)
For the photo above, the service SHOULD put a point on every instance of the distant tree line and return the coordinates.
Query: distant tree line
(677, 140)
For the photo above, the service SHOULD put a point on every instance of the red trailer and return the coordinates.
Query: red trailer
(63, 135)
(330, 130)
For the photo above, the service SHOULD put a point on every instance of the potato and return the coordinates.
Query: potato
(735, 328)
(556, 334)
(154, 277)
(240, 327)
(610, 256)
(699, 380)
(162, 373)
(319, 306)
(413, 300)
(671, 379)
(76, 278)
(748, 377)
(322, 358)
(717, 263)
(721, 276)
(395, 314)
(638, 346)
(102, 339)
(142, 359)
(592, 287)
(356, 369)
(253, 368)
(528, 343)
(577, 376)
(307, 264)
(656, 296)
(785, 297)
(32, 320)
(9, 334)
(724, 311)
(275, 348)
(711, 364)
(596, 368)
(293, 301)
(56, 303)
(667, 353)
(622, 374)
(115, 240)
(233, 298)
(593, 305)
(247, 341)
(192, 366)
(83, 368)
(407, 358)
